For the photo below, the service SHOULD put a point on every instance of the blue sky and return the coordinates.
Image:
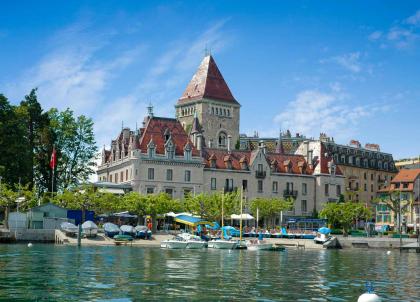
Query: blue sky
(347, 68)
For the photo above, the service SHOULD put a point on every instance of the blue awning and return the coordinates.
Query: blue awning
(191, 221)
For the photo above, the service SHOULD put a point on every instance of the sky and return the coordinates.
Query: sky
(350, 69)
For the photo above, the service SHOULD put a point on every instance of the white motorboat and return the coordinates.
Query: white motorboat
(69, 228)
(256, 245)
(222, 244)
(177, 242)
(90, 229)
(321, 238)
(193, 241)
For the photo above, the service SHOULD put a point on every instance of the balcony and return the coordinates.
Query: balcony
(290, 193)
(260, 174)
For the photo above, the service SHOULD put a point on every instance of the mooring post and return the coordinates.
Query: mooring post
(79, 235)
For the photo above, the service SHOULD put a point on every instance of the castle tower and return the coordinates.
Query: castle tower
(208, 99)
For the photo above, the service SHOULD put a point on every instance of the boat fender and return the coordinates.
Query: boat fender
(370, 296)
(388, 253)
(30, 244)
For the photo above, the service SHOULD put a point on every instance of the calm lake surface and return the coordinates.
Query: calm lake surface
(67, 273)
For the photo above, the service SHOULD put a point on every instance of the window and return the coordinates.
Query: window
(126, 174)
(365, 187)
(222, 140)
(303, 206)
(289, 186)
(213, 184)
(365, 175)
(260, 167)
(150, 190)
(169, 174)
(187, 192)
(122, 176)
(304, 189)
(327, 190)
(371, 187)
(187, 176)
(116, 177)
(169, 191)
(338, 188)
(371, 176)
(260, 186)
(245, 184)
(136, 172)
(229, 185)
(110, 178)
(405, 185)
(275, 186)
(151, 174)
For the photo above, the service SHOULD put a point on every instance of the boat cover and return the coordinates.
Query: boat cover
(89, 225)
(191, 220)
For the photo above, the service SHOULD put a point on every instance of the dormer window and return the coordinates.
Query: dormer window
(187, 151)
(244, 163)
(228, 162)
(273, 166)
(151, 148)
(212, 161)
(288, 166)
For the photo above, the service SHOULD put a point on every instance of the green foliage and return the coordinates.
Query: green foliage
(345, 214)
(268, 208)
(209, 206)
(238, 145)
(75, 147)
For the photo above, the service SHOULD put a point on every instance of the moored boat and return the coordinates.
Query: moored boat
(69, 228)
(256, 245)
(111, 229)
(89, 229)
(128, 230)
(222, 244)
(193, 241)
(143, 232)
(175, 243)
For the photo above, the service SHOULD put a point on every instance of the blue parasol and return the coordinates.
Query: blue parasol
(324, 230)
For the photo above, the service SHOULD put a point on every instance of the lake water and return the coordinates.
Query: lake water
(124, 273)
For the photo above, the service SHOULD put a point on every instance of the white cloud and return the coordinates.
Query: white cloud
(402, 35)
(349, 61)
(375, 35)
(414, 19)
(313, 112)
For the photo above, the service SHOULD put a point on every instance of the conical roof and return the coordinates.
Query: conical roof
(207, 82)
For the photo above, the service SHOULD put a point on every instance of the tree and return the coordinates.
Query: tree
(160, 204)
(7, 200)
(393, 201)
(13, 147)
(345, 214)
(135, 203)
(269, 207)
(75, 146)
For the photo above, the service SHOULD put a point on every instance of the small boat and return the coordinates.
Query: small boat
(143, 232)
(69, 228)
(193, 241)
(321, 238)
(128, 230)
(111, 229)
(175, 243)
(121, 239)
(89, 229)
(222, 244)
(257, 245)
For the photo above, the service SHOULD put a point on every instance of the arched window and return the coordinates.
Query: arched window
(228, 112)
(222, 140)
(224, 112)
(217, 110)
(212, 110)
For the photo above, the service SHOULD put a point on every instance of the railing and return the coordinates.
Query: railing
(290, 193)
(260, 174)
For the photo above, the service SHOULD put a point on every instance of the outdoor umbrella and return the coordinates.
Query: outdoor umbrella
(324, 230)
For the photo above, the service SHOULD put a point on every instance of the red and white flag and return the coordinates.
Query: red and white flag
(53, 161)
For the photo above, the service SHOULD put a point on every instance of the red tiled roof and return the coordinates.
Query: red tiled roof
(406, 175)
(237, 157)
(156, 126)
(207, 82)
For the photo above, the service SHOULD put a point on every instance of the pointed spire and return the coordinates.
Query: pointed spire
(207, 82)
(279, 147)
(196, 128)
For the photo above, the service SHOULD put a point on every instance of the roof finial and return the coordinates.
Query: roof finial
(150, 110)
(207, 51)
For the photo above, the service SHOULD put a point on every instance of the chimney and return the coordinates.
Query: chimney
(199, 141)
(229, 138)
(262, 146)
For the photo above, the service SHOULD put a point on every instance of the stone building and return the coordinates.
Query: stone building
(196, 153)
(406, 184)
(366, 169)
